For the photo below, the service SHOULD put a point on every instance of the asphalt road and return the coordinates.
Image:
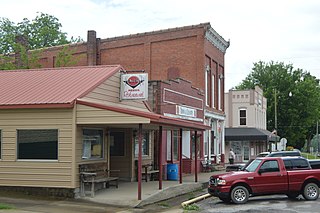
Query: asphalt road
(263, 204)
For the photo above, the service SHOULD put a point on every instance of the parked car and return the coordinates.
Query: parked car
(284, 153)
(315, 163)
(240, 166)
(267, 175)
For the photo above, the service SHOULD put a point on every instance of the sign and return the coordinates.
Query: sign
(185, 111)
(134, 86)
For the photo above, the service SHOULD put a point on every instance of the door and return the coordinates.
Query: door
(246, 153)
(271, 179)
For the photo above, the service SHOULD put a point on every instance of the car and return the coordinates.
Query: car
(291, 176)
(240, 166)
(284, 153)
(315, 163)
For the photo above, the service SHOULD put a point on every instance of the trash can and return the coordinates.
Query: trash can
(172, 171)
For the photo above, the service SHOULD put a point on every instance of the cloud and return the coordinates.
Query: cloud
(285, 30)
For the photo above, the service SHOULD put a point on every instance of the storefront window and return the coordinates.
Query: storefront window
(117, 142)
(193, 145)
(92, 140)
(37, 144)
(175, 144)
(145, 144)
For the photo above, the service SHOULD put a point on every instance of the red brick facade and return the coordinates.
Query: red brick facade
(195, 53)
(166, 54)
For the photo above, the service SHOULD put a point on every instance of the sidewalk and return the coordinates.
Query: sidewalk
(121, 200)
(127, 193)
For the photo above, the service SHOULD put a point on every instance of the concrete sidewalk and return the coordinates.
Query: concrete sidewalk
(127, 193)
(121, 200)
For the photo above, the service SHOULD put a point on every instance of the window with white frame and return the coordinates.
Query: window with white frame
(243, 117)
(145, 144)
(213, 90)
(37, 144)
(219, 93)
(207, 82)
(92, 143)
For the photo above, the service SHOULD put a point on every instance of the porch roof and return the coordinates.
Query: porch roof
(50, 88)
(155, 119)
(249, 133)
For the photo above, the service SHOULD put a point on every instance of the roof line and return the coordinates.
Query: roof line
(37, 106)
(201, 25)
(119, 68)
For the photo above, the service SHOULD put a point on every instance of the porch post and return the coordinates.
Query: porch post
(180, 156)
(139, 160)
(196, 158)
(160, 157)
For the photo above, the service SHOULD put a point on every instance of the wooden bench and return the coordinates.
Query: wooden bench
(147, 170)
(96, 173)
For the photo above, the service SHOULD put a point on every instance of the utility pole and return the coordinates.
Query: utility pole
(275, 117)
(318, 137)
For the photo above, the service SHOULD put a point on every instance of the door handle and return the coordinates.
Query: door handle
(250, 178)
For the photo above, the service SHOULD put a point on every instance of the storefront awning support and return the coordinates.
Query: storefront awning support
(180, 157)
(160, 157)
(139, 161)
(196, 157)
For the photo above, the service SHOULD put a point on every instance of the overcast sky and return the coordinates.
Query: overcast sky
(271, 30)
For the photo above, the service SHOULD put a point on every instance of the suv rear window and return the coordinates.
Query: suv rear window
(283, 154)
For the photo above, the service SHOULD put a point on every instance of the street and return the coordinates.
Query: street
(274, 204)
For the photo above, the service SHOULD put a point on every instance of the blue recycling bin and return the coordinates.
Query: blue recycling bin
(172, 171)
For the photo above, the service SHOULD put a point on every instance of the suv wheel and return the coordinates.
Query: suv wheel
(239, 195)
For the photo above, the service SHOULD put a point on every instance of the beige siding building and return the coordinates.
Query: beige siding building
(53, 120)
(246, 120)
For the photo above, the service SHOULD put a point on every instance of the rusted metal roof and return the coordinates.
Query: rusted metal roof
(57, 87)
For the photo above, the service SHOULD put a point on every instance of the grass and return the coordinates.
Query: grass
(5, 206)
(192, 207)
(164, 204)
(309, 156)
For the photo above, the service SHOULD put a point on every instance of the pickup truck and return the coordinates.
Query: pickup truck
(266, 176)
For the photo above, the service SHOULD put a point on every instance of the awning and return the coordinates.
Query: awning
(155, 119)
(248, 133)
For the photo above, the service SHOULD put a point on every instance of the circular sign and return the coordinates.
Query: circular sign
(133, 81)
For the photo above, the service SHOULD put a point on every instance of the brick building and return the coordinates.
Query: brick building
(195, 53)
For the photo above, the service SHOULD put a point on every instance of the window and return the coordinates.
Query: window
(270, 166)
(175, 144)
(213, 91)
(207, 82)
(38, 144)
(243, 116)
(92, 141)
(193, 145)
(117, 143)
(0, 143)
(145, 144)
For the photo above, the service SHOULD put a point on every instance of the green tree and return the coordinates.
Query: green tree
(43, 31)
(297, 95)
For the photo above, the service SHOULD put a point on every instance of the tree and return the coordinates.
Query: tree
(298, 114)
(43, 31)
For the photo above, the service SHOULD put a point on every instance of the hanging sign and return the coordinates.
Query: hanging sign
(134, 86)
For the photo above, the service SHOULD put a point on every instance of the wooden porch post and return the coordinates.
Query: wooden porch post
(180, 156)
(139, 160)
(160, 157)
(195, 158)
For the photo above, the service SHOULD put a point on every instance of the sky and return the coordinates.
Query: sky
(258, 30)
